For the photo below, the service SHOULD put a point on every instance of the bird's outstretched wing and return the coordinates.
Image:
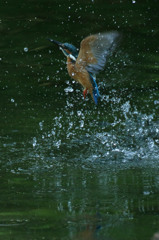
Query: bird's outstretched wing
(95, 49)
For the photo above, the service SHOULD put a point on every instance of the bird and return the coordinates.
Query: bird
(83, 64)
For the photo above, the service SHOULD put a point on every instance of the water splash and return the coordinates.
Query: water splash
(135, 137)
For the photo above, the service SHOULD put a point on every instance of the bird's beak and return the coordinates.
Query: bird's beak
(61, 46)
(56, 42)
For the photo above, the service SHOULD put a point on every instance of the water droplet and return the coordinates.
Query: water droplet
(68, 89)
(26, 49)
(156, 102)
(79, 113)
(146, 192)
(34, 141)
(41, 125)
(81, 123)
(58, 143)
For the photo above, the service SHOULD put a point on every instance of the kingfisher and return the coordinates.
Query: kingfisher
(89, 60)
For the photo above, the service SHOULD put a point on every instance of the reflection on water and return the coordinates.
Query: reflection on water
(90, 228)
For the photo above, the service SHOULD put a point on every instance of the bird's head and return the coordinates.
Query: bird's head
(68, 49)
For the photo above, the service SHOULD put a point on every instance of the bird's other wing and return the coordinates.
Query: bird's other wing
(95, 49)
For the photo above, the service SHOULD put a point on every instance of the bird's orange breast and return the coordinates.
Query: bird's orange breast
(80, 74)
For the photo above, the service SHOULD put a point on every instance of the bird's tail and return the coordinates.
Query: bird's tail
(96, 94)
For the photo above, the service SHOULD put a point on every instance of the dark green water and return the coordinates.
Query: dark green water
(70, 169)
